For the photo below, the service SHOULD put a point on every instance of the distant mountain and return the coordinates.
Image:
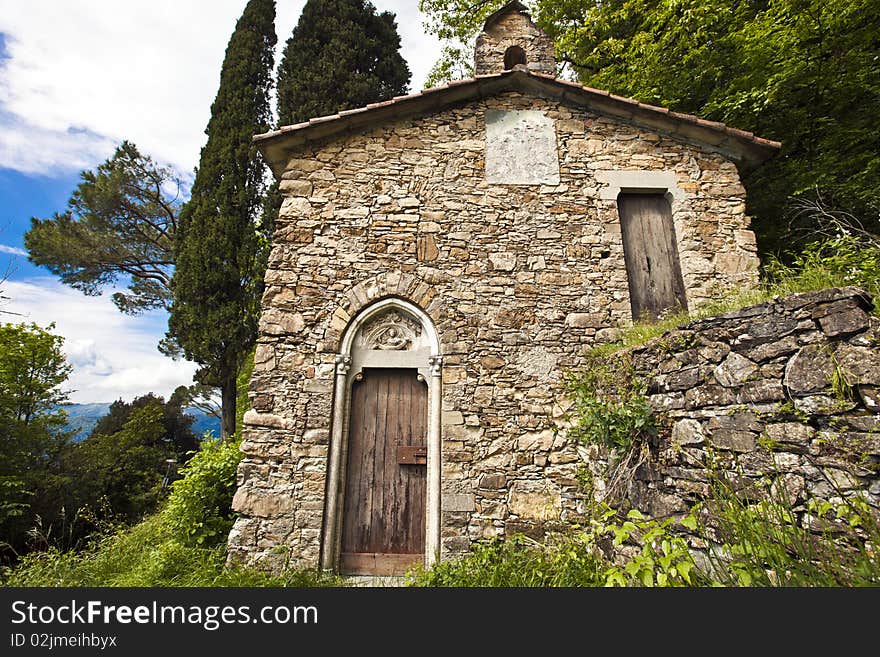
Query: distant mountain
(204, 422)
(82, 418)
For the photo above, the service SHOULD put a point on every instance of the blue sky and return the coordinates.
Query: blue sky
(78, 77)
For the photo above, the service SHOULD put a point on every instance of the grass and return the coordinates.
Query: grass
(147, 555)
(518, 562)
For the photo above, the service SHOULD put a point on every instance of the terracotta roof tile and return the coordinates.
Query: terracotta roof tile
(714, 133)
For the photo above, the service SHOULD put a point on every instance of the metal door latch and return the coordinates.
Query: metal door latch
(412, 455)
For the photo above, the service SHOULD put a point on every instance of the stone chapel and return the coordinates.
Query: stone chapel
(440, 261)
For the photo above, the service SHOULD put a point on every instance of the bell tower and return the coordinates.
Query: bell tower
(510, 39)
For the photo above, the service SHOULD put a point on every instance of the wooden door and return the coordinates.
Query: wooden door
(651, 254)
(383, 529)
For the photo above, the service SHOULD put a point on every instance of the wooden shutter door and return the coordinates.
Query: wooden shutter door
(383, 530)
(651, 254)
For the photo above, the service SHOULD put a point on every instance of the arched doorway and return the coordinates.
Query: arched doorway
(383, 493)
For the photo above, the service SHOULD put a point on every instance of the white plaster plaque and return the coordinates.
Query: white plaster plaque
(521, 148)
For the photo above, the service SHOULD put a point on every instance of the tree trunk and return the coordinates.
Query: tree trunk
(228, 394)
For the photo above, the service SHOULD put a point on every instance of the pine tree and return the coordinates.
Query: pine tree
(220, 251)
(119, 225)
(342, 55)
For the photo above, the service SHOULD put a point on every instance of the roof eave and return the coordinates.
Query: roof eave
(278, 146)
(746, 149)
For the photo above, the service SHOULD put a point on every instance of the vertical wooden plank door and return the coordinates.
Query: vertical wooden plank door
(383, 529)
(651, 254)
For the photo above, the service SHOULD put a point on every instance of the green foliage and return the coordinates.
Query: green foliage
(610, 406)
(845, 259)
(518, 561)
(754, 542)
(119, 224)
(242, 385)
(456, 23)
(182, 545)
(14, 502)
(199, 509)
(457, 20)
(342, 55)
(220, 256)
(122, 470)
(662, 558)
(32, 372)
(799, 71)
(454, 64)
(657, 557)
(146, 556)
(113, 477)
(177, 435)
(762, 543)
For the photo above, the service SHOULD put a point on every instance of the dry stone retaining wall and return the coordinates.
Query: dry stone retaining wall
(788, 390)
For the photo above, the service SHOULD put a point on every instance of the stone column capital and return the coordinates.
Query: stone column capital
(343, 363)
(436, 363)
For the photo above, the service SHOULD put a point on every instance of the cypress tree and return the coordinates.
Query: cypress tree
(342, 55)
(220, 251)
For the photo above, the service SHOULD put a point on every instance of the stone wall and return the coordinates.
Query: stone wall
(518, 280)
(788, 390)
(514, 29)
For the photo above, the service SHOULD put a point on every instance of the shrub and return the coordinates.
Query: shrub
(182, 545)
(657, 557)
(199, 509)
(147, 556)
(834, 262)
(610, 406)
(762, 543)
(518, 562)
(582, 558)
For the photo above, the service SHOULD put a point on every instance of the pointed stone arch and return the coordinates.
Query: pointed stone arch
(385, 334)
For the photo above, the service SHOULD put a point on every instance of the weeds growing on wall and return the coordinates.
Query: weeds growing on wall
(611, 410)
(759, 541)
(610, 406)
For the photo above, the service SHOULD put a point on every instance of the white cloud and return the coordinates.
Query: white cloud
(85, 74)
(12, 250)
(113, 355)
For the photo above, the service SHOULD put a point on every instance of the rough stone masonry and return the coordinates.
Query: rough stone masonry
(393, 201)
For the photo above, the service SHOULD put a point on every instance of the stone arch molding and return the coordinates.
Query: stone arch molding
(388, 284)
(389, 332)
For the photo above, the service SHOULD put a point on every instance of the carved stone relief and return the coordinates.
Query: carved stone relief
(521, 148)
(392, 331)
